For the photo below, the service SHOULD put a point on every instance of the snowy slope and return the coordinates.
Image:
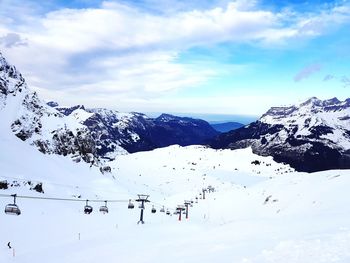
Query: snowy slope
(261, 211)
(311, 136)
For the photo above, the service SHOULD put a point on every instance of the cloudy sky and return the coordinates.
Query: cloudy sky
(199, 56)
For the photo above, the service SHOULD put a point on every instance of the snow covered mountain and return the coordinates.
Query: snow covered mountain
(136, 132)
(91, 135)
(311, 136)
(24, 114)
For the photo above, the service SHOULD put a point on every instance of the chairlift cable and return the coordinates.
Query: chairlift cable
(59, 184)
(65, 199)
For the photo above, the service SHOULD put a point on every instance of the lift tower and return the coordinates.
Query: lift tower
(142, 199)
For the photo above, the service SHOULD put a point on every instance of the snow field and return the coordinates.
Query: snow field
(259, 213)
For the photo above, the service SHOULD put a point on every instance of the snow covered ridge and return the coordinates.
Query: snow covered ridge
(136, 132)
(24, 114)
(11, 81)
(311, 136)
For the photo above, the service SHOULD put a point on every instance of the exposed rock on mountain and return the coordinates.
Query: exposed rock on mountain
(31, 120)
(312, 136)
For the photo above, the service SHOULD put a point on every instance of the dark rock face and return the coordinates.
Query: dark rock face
(312, 136)
(184, 131)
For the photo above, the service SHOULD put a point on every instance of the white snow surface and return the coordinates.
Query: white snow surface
(259, 213)
(80, 115)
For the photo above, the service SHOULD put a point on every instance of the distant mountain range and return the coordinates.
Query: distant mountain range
(226, 126)
(311, 136)
(136, 132)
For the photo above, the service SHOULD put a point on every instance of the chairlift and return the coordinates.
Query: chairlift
(130, 205)
(104, 208)
(12, 209)
(168, 212)
(153, 210)
(162, 210)
(88, 208)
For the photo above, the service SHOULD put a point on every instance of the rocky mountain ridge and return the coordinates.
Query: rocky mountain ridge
(136, 131)
(311, 136)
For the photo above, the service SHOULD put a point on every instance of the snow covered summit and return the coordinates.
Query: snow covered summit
(311, 136)
(25, 115)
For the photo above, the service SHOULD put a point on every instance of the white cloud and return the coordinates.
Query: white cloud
(118, 27)
(12, 40)
(130, 53)
(139, 50)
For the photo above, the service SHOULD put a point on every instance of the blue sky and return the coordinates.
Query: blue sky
(218, 57)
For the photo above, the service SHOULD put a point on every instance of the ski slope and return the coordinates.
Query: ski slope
(258, 213)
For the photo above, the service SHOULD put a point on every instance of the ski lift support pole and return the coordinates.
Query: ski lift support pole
(142, 199)
(204, 191)
(179, 210)
(187, 203)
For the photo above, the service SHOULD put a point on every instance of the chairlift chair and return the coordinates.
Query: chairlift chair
(153, 210)
(87, 208)
(168, 212)
(12, 209)
(104, 208)
(130, 205)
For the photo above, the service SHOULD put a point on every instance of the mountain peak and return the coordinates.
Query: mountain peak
(11, 81)
(166, 117)
(321, 103)
(331, 101)
(314, 101)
